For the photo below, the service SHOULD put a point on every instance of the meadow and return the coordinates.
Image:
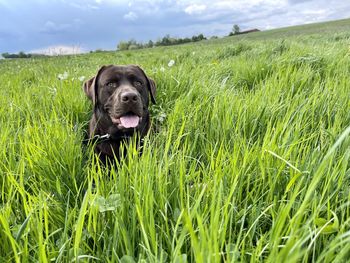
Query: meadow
(247, 160)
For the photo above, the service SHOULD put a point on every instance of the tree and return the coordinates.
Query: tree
(22, 55)
(236, 29)
(166, 40)
(150, 44)
(123, 45)
(201, 37)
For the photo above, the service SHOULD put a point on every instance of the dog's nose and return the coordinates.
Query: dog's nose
(129, 97)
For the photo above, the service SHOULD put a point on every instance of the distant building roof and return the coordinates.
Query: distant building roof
(249, 31)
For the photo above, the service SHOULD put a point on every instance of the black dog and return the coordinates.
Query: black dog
(120, 96)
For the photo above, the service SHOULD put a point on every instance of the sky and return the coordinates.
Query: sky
(73, 26)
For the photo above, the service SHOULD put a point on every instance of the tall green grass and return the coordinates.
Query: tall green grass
(247, 160)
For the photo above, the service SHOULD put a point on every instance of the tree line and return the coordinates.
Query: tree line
(165, 41)
(168, 40)
(21, 55)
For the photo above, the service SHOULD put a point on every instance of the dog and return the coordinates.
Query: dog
(120, 95)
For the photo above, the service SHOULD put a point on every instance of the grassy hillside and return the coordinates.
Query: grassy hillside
(248, 159)
(322, 28)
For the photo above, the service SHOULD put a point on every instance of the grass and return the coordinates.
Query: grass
(248, 159)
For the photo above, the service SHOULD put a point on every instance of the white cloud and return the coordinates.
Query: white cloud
(85, 6)
(314, 12)
(59, 50)
(93, 7)
(51, 27)
(229, 5)
(131, 16)
(195, 9)
(30, 24)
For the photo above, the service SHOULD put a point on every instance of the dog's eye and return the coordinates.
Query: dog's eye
(138, 83)
(112, 84)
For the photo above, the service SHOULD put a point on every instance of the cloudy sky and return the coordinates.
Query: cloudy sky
(36, 25)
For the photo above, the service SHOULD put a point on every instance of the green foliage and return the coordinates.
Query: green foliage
(247, 160)
(165, 41)
(235, 29)
(19, 55)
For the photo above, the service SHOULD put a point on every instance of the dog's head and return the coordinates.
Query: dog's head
(122, 93)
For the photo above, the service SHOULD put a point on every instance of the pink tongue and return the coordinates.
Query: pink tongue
(129, 121)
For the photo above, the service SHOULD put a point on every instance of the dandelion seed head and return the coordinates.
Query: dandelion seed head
(63, 76)
(171, 63)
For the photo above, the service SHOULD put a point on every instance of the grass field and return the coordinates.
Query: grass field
(248, 160)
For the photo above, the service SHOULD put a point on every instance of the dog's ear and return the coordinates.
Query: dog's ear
(152, 89)
(151, 85)
(90, 86)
